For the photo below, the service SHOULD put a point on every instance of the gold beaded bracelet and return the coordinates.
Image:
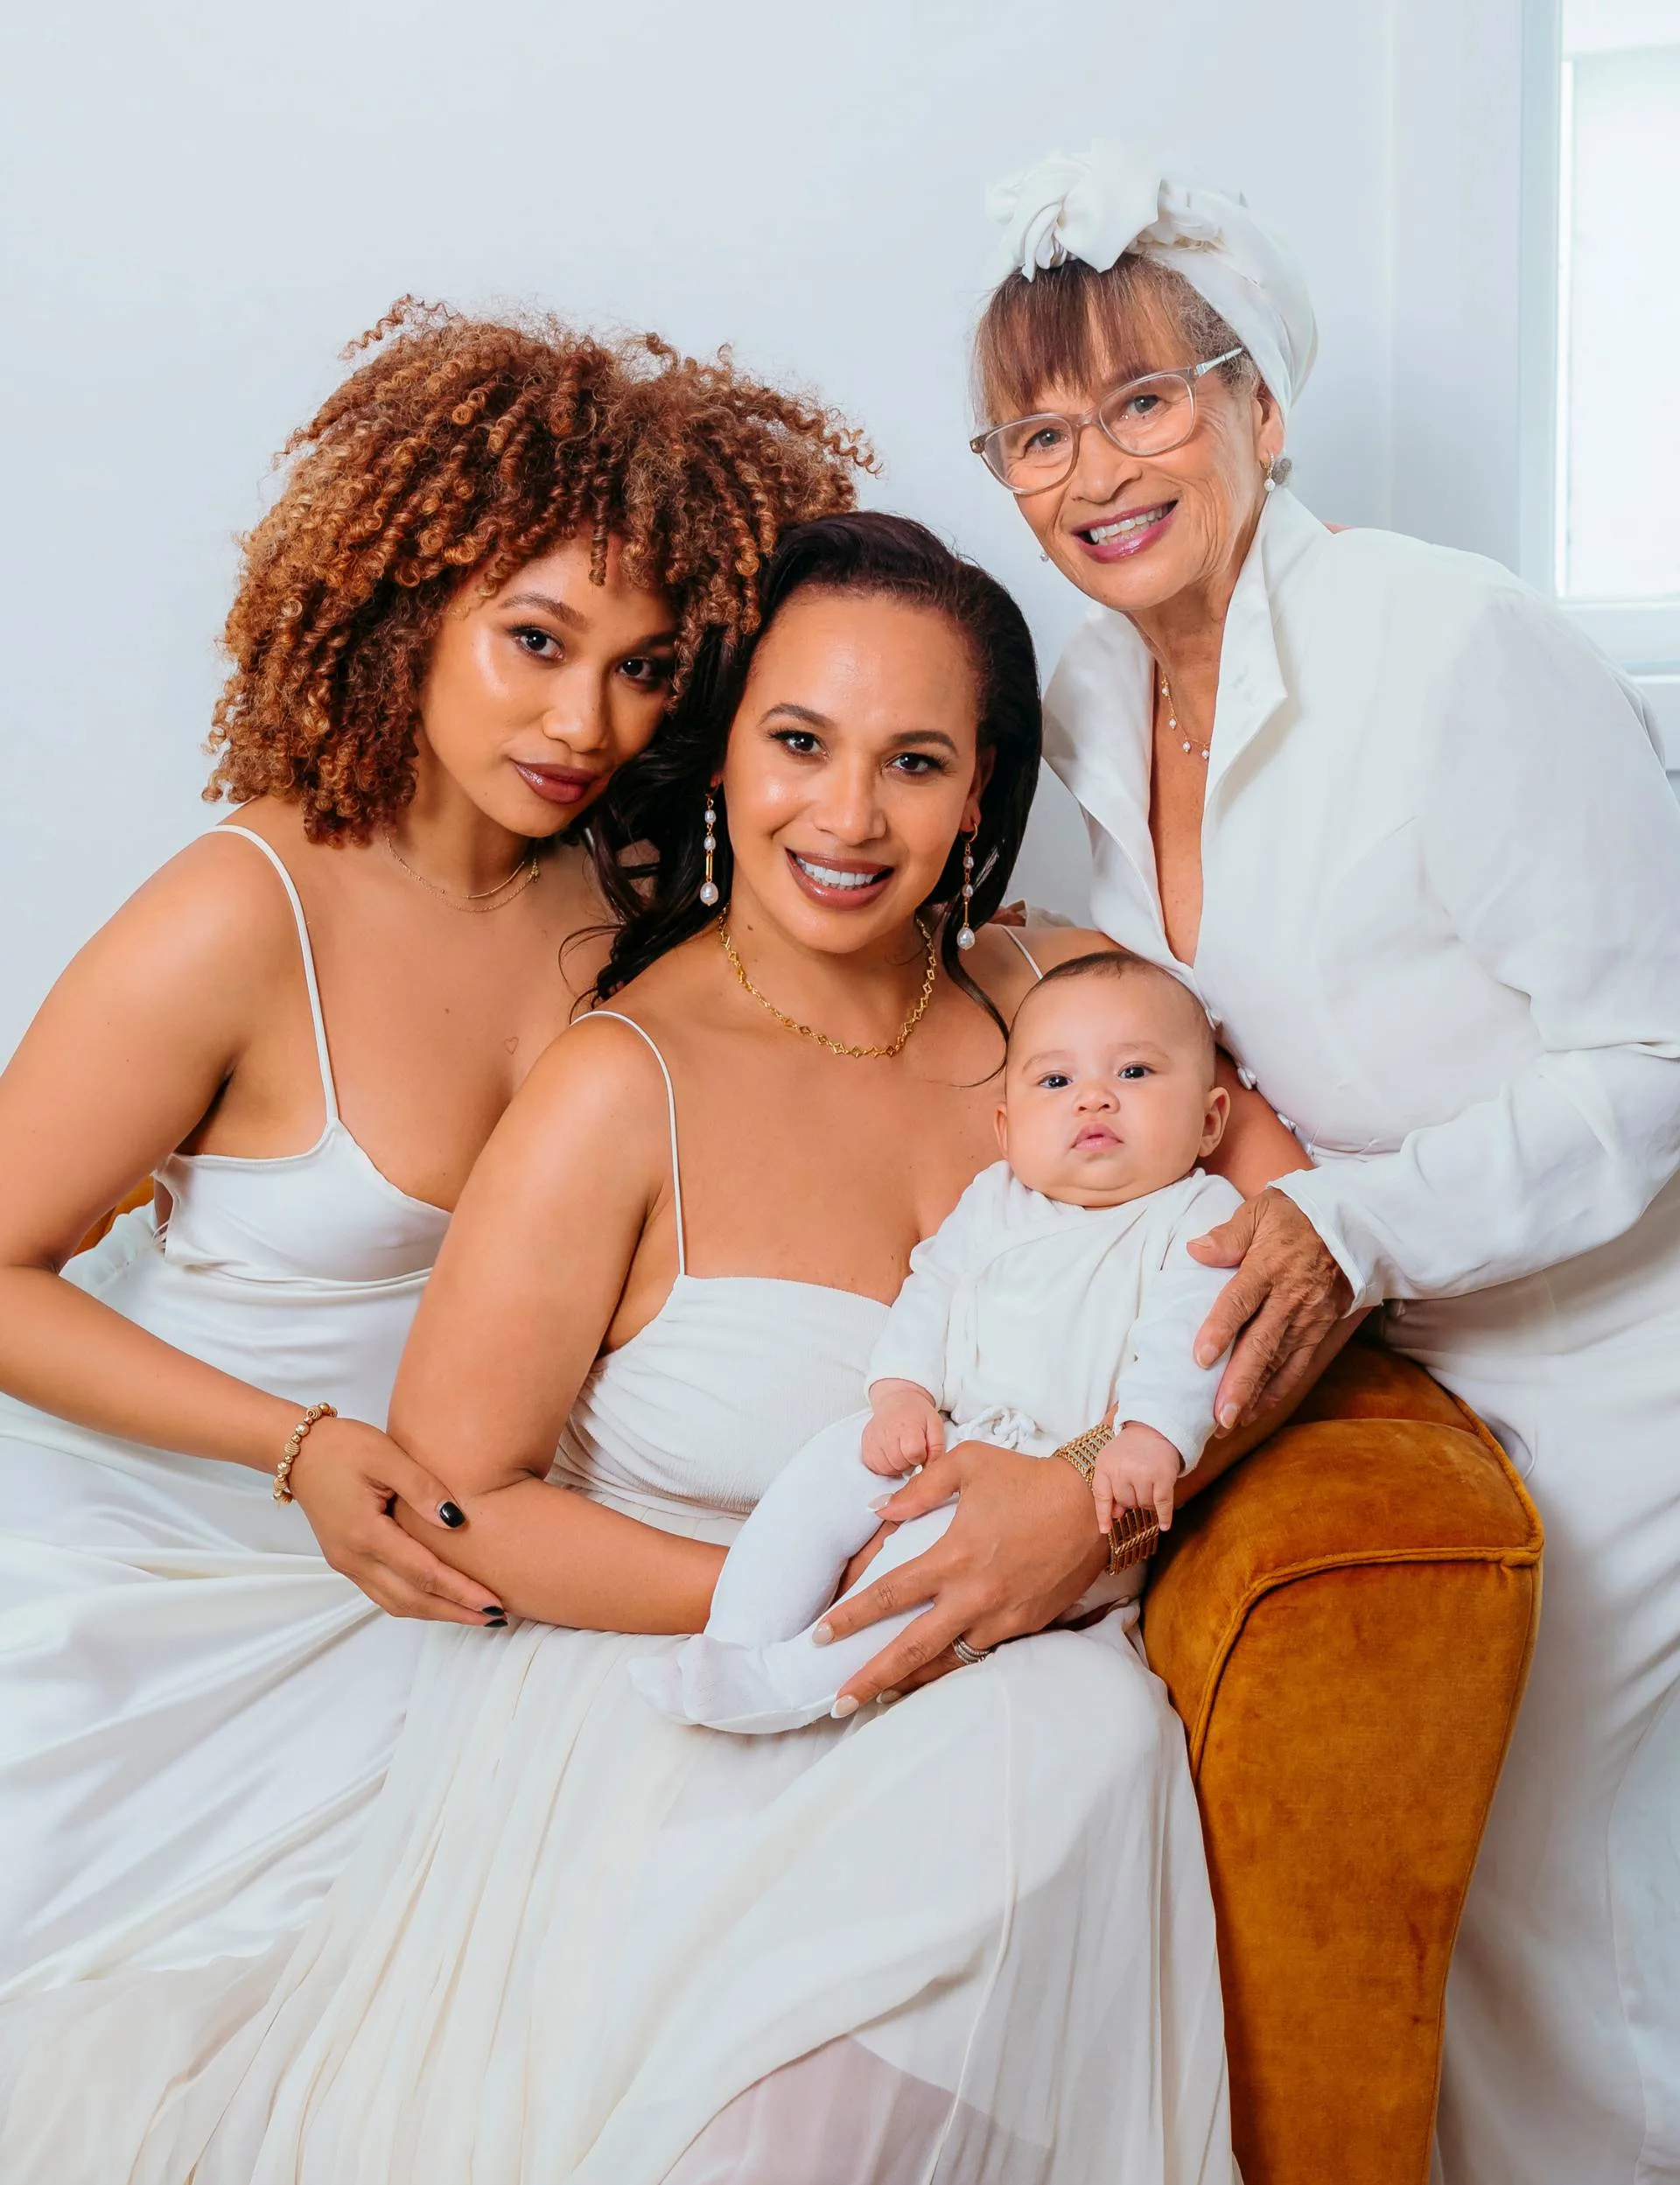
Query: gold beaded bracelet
(289, 1457)
(1135, 1534)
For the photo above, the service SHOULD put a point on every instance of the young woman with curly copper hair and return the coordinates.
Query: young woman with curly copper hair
(497, 550)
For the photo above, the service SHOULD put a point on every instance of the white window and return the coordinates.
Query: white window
(1618, 455)
(1602, 188)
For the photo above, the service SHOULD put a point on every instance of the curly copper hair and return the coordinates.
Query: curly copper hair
(462, 450)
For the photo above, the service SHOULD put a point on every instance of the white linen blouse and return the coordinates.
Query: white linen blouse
(1441, 901)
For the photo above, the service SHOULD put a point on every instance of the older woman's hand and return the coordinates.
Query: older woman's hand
(1286, 1296)
(1022, 1547)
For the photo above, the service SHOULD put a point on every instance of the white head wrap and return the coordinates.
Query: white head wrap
(1103, 202)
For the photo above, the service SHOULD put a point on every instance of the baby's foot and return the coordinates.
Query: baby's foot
(753, 1689)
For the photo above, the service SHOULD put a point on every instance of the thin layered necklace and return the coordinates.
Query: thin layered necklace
(483, 900)
(1172, 720)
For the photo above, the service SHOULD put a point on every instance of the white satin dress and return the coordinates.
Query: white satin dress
(195, 1711)
(966, 1939)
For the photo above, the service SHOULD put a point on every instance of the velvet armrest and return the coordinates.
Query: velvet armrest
(1344, 1623)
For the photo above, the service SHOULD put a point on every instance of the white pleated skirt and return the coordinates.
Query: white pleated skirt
(966, 1939)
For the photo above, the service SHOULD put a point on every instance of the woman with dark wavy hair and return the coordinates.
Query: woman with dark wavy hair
(660, 898)
(498, 550)
(966, 1939)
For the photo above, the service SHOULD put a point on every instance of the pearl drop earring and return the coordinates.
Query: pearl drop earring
(965, 932)
(708, 886)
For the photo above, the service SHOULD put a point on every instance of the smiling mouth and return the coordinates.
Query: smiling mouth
(1128, 526)
(840, 875)
(833, 883)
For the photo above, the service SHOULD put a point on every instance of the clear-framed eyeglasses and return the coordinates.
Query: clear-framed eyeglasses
(1145, 416)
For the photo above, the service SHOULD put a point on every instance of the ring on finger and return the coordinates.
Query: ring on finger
(971, 1656)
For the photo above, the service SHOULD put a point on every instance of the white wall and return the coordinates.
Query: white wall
(207, 199)
(1458, 181)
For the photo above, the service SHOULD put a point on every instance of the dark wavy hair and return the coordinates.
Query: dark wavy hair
(650, 855)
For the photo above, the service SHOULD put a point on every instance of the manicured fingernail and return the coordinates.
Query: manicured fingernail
(451, 1514)
(496, 1623)
(822, 1636)
(493, 1609)
(881, 1500)
(1228, 1415)
(844, 1707)
(888, 1698)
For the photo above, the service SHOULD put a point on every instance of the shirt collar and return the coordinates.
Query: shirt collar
(1251, 685)
(1097, 710)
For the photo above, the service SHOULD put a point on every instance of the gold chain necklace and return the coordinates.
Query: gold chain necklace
(479, 904)
(839, 1046)
(1172, 719)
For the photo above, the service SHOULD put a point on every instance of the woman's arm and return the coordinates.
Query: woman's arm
(129, 1052)
(1551, 840)
(565, 1240)
(126, 1055)
(1548, 838)
(1254, 1149)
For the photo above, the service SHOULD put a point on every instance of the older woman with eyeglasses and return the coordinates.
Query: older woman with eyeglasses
(1408, 837)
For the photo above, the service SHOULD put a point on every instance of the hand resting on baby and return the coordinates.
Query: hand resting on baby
(1058, 1294)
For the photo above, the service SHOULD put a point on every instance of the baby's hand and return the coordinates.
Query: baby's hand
(1137, 1470)
(905, 1428)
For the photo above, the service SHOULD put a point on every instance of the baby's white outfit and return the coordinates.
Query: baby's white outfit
(1025, 1319)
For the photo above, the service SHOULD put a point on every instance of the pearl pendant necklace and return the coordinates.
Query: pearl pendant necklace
(1172, 721)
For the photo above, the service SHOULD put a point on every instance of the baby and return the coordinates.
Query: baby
(1056, 1295)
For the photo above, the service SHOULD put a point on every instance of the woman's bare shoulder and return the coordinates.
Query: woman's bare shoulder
(673, 1000)
(128, 1049)
(1023, 953)
(1006, 960)
(211, 926)
(1051, 945)
(597, 1091)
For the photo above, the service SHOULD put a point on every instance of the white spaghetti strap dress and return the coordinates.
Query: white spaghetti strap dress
(195, 1711)
(967, 1939)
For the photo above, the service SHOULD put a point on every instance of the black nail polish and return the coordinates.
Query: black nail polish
(496, 1623)
(450, 1516)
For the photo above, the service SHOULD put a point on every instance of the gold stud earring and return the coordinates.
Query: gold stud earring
(708, 886)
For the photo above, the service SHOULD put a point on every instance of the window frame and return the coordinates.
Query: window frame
(1642, 635)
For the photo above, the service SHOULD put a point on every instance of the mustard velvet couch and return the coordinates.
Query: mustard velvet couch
(1344, 1622)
